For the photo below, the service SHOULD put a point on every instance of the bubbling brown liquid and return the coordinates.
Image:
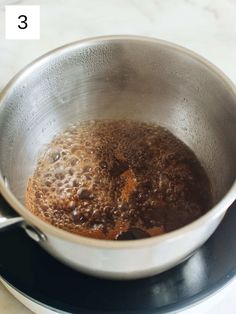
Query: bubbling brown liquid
(120, 180)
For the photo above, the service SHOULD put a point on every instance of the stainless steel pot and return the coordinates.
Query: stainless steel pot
(119, 77)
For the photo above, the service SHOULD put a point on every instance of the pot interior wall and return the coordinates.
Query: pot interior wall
(118, 79)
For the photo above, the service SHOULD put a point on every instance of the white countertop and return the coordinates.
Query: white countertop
(205, 26)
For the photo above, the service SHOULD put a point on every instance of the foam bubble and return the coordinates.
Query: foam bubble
(98, 176)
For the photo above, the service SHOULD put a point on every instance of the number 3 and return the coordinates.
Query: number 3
(23, 21)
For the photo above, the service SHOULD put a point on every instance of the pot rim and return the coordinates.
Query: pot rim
(214, 212)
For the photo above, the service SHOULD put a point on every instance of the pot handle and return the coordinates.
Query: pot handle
(8, 217)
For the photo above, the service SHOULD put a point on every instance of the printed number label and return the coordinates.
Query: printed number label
(23, 19)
